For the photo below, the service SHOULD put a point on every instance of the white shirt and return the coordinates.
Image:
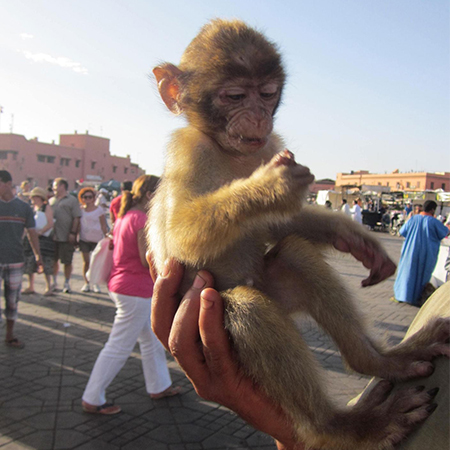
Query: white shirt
(90, 228)
(346, 209)
(356, 214)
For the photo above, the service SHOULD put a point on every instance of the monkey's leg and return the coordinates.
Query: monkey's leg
(300, 279)
(271, 351)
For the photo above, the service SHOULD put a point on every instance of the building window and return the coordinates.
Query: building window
(443, 186)
(114, 169)
(125, 170)
(3, 154)
(64, 161)
(51, 159)
(93, 163)
(408, 184)
(41, 158)
(432, 185)
(77, 163)
(418, 184)
(387, 183)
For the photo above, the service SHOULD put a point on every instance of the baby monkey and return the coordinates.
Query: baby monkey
(231, 202)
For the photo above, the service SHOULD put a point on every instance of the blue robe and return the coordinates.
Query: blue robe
(418, 258)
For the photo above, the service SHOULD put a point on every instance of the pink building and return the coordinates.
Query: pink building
(325, 184)
(396, 180)
(77, 158)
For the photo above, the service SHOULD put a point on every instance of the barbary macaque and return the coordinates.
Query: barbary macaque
(231, 202)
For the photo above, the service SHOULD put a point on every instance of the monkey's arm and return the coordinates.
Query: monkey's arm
(204, 222)
(333, 229)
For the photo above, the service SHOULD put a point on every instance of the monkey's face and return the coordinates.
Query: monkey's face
(246, 108)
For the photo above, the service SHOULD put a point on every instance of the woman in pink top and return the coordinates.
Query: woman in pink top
(131, 288)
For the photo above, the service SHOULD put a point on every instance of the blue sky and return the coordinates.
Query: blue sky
(368, 84)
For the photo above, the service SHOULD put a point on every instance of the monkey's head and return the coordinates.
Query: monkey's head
(228, 85)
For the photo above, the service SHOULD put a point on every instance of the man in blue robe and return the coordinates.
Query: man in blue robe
(420, 250)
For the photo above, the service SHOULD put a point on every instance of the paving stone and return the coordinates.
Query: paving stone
(39, 440)
(96, 444)
(42, 421)
(145, 442)
(68, 439)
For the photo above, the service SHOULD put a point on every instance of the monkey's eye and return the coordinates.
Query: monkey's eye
(268, 94)
(236, 96)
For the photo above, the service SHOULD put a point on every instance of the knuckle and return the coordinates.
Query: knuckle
(174, 348)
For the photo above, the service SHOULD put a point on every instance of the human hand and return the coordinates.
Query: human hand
(193, 331)
(39, 266)
(369, 252)
(72, 239)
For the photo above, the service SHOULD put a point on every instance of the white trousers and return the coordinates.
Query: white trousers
(131, 324)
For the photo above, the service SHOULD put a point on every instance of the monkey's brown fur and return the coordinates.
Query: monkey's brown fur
(230, 201)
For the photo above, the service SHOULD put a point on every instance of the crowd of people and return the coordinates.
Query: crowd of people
(38, 232)
(41, 228)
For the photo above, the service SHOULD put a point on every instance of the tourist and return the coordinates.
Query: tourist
(131, 288)
(43, 216)
(416, 210)
(67, 213)
(11, 251)
(93, 228)
(114, 206)
(24, 192)
(102, 199)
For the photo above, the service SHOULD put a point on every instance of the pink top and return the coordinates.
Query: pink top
(128, 275)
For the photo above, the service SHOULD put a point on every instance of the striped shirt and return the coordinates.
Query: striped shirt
(15, 216)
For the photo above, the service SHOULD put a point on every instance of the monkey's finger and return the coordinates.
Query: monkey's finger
(165, 299)
(382, 268)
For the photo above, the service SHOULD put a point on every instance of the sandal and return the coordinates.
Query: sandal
(48, 293)
(169, 392)
(28, 291)
(108, 409)
(15, 343)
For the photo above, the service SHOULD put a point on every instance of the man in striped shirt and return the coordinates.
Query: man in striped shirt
(15, 217)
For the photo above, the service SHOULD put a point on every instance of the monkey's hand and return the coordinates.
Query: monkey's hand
(367, 250)
(293, 177)
(282, 183)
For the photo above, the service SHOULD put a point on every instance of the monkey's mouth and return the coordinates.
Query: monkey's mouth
(253, 142)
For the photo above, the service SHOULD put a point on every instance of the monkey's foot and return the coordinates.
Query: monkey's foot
(413, 357)
(382, 418)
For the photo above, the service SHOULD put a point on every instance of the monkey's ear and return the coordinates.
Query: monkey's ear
(168, 85)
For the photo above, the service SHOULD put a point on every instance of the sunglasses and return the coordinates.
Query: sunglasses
(87, 196)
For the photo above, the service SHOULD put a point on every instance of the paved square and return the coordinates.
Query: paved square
(41, 386)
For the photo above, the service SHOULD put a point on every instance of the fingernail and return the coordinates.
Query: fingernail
(166, 269)
(431, 407)
(206, 303)
(433, 392)
(199, 282)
